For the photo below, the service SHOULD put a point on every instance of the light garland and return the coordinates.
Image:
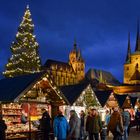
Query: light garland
(25, 57)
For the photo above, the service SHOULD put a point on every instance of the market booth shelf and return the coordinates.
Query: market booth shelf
(27, 95)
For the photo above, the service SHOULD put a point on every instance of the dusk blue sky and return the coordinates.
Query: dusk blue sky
(100, 27)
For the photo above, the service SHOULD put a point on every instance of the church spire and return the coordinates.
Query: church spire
(128, 49)
(100, 76)
(79, 55)
(137, 38)
(75, 45)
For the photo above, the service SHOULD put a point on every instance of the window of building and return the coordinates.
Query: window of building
(53, 67)
(127, 68)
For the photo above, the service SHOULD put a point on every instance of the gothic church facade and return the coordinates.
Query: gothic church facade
(67, 73)
(132, 63)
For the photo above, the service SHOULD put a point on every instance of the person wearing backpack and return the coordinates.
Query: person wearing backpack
(126, 122)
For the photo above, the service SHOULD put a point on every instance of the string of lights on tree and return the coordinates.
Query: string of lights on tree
(25, 57)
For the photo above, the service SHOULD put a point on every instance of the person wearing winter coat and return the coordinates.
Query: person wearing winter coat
(103, 133)
(107, 117)
(74, 123)
(115, 125)
(3, 127)
(82, 128)
(93, 125)
(126, 122)
(45, 124)
(60, 126)
(137, 118)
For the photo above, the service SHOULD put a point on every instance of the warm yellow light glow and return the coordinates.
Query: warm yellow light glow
(45, 79)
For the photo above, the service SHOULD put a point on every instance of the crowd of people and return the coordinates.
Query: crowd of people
(83, 126)
(90, 126)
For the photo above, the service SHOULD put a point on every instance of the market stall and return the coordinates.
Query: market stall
(112, 101)
(26, 96)
(103, 96)
(120, 99)
(81, 97)
(134, 101)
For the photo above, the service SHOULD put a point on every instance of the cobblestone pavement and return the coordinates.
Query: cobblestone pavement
(134, 135)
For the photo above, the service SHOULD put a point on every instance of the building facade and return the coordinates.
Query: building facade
(132, 63)
(67, 73)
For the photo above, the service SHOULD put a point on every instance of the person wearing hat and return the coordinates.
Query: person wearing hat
(93, 125)
(3, 127)
(116, 125)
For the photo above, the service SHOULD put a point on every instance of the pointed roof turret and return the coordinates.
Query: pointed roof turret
(75, 45)
(136, 75)
(137, 38)
(79, 55)
(128, 56)
(101, 77)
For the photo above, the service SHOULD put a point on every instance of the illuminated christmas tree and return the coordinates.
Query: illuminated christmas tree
(25, 55)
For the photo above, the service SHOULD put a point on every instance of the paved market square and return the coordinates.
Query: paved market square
(134, 135)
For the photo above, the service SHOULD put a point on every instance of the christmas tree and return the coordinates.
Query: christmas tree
(25, 55)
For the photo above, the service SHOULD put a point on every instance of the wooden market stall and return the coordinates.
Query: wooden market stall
(120, 99)
(27, 95)
(84, 96)
(133, 90)
(112, 101)
(103, 96)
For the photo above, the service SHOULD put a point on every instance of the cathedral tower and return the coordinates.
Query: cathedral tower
(77, 62)
(132, 63)
(67, 73)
